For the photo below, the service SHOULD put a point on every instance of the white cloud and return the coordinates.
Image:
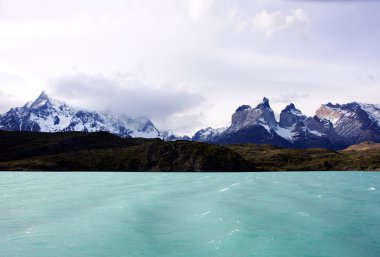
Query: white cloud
(272, 22)
(198, 8)
(231, 14)
(186, 123)
(14, 89)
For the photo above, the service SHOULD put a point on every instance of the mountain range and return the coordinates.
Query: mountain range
(334, 126)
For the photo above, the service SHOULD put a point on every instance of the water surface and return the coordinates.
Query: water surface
(190, 214)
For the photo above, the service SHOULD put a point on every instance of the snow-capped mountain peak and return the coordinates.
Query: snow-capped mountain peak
(46, 114)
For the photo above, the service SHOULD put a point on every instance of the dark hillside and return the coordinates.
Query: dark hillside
(77, 151)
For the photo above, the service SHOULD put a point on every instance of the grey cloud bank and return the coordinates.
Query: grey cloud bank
(124, 94)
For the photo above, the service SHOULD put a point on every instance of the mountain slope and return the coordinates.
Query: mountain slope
(270, 158)
(49, 115)
(354, 121)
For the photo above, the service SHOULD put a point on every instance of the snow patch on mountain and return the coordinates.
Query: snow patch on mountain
(286, 133)
(207, 134)
(316, 133)
(373, 111)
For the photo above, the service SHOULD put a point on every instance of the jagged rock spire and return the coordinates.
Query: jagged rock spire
(43, 95)
(264, 103)
(42, 99)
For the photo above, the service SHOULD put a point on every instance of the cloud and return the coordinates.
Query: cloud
(12, 90)
(288, 98)
(8, 101)
(186, 123)
(368, 80)
(4, 103)
(270, 23)
(126, 94)
(198, 8)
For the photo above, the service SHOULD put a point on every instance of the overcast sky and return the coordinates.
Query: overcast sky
(189, 64)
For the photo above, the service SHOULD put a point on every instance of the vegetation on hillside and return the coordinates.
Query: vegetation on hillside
(101, 151)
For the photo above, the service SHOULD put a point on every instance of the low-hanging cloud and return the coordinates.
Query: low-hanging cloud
(272, 22)
(125, 94)
(5, 103)
(288, 98)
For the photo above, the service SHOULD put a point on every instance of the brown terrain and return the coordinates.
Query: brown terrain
(101, 151)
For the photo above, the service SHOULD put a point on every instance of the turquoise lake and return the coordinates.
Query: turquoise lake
(302, 214)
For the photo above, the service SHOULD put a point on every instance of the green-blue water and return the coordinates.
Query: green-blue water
(190, 214)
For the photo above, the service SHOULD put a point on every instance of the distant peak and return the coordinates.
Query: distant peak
(290, 107)
(329, 104)
(264, 103)
(43, 96)
(42, 99)
(243, 108)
